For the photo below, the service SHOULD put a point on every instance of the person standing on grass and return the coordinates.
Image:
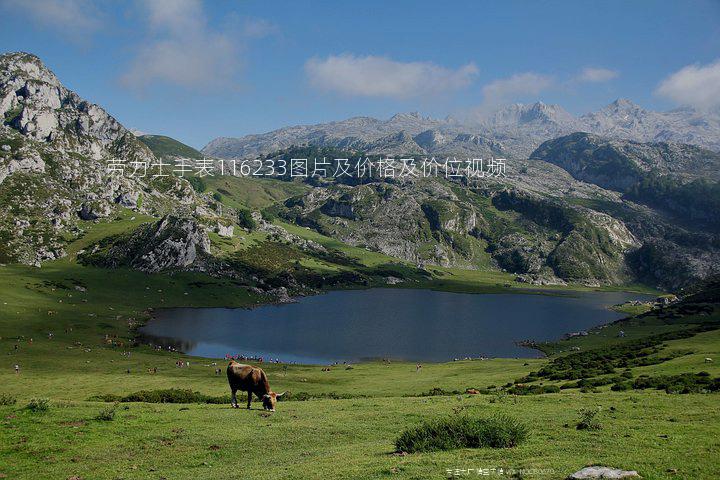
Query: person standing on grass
(17, 369)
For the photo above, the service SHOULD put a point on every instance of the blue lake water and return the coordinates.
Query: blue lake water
(415, 325)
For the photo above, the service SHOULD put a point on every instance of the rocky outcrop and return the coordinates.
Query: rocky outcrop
(55, 150)
(173, 243)
(225, 230)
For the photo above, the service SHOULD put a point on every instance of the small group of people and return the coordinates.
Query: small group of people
(182, 364)
(251, 358)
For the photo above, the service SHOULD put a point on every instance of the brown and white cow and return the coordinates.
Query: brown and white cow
(252, 380)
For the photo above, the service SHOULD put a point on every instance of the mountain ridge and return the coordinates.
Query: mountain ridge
(517, 129)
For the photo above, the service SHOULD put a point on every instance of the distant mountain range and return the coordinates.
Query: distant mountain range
(513, 131)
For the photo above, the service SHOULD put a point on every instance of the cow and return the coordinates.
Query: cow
(251, 380)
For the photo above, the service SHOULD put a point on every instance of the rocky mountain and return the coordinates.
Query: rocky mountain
(623, 119)
(619, 164)
(55, 153)
(522, 223)
(675, 177)
(513, 131)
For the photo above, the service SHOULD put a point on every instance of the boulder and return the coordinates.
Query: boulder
(602, 472)
(93, 212)
(129, 199)
(225, 230)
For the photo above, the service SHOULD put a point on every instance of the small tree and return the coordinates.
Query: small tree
(245, 220)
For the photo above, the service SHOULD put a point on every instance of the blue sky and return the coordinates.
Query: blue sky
(195, 70)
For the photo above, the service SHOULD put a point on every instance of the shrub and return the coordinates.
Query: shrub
(172, 395)
(533, 389)
(588, 419)
(245, 219)
(197, 183)
(268, 216)
(621, 387)
(7, 399)
(461, 431)
(682, 383)
(38, 405)
(439, 392)
(107, 414)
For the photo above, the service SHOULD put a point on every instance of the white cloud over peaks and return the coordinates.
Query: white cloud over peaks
(695, 85)
(182, 50)
(503, 90)
(372, 76)
(591, 74)
(74, 19)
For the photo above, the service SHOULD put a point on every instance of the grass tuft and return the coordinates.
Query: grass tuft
(38, 405)
(107, 414)
(463, 432)
(589, 420)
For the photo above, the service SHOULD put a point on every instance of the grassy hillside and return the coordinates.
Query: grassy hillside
(166, 147)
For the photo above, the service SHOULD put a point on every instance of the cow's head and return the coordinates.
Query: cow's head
(269, 400)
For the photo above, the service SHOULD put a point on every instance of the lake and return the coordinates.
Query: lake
(414, 325)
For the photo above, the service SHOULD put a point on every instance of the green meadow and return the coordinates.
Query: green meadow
(340, 423)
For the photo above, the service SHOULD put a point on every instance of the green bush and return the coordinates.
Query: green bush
(589, 420)
(7, 399)
(620, 387)
(38, 405)
(174, 395)
(462, 431)
(268, 215)
(107, 414)
(245, 219)
(533, 389)
(682, 383)
(439, 392)
(197, 183)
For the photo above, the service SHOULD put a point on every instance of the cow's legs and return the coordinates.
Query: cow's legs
(249, 399)
(233, 401)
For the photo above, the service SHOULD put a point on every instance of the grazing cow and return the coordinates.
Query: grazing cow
(251, 380)
(708, 360)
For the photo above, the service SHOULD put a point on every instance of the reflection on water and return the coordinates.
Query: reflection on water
(417, 325)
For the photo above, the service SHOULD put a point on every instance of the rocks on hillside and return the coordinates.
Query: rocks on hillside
(621, 164)
(173, 243)
(55, 149)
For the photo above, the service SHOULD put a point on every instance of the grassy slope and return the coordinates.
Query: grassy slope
(166, 147)
(316, 439)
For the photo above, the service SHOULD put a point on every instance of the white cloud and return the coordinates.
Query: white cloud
(500, 91)
(74, 19)
(182, 50)
(372, 76)
(258, 28)
(695, 85)
(591, 74)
